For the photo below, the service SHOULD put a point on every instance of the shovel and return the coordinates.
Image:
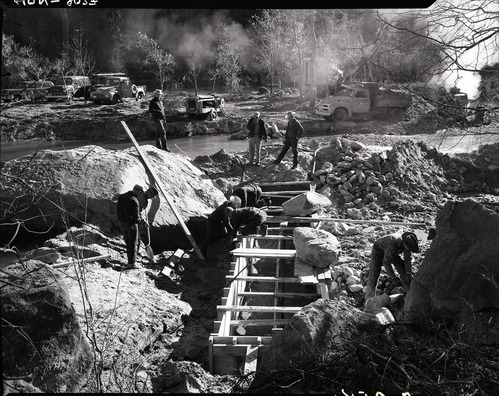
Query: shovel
(149, 252)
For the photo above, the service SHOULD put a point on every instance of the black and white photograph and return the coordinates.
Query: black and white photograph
(250, 200)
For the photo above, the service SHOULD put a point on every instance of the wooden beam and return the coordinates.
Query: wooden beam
(257, 308)
(81, 260)
(297, 219)
(260, 322)
(262, 279)
(279, 294)
(163, 191)
(264, 253)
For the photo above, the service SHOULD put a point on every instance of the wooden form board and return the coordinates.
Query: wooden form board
(264, 253)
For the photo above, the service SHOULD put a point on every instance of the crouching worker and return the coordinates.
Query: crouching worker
(217, 224)
(385, 252)
(251, 195)
(248, 219)
(129, 217)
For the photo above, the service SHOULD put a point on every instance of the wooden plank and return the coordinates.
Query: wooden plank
(279, 294)
(259, 322)
(251, 360)
(221, 350)
(257, 308)
(271, 237)
(271, 219)
(262, 279)
(264, 253)
(322, 285)
(163, 191)
(81, 260)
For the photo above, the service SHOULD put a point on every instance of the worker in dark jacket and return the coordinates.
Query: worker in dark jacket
(129, 217)
(157, 111)
(144, 229)
(248, 219)
(251, 195)
(256, 133)
(217, 224)
(385, 252)
(294, 132)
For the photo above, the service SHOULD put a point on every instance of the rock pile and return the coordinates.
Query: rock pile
(350, 176)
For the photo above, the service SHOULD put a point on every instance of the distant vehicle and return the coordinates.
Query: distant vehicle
(205, 106)
(99, 79)
(69, 87)
(112, 89)
(32, 90)
(364, 98)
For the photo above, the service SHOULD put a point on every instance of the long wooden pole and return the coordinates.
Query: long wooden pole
(167, 197)
(271, 219)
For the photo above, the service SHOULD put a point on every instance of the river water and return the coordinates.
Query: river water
(191, 146)
(208, 145)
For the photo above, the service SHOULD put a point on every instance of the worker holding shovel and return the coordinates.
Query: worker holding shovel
(144, 229)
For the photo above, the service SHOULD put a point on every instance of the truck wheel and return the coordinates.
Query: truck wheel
(212, 115)
(115, 99)
(340, 114)
(17, 98)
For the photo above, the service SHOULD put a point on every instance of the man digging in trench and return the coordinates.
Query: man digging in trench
(385, 252)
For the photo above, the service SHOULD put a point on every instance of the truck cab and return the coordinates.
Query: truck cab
(344, 104)
(112, 89)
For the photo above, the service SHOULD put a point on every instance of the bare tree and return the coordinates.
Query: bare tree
(196, 64)
(160, 61)
(227, 60)
(466, 33)
(83, 60)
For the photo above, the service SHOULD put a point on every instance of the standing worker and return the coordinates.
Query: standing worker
(144, 229)
(129, 217)
(256, 134)
(157, 111)
(248, 219)
(294, 131)
(385, 252)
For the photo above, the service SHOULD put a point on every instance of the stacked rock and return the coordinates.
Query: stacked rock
(356, 178)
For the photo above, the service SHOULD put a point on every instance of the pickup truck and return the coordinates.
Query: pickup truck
(69, 87)
(365, 98)
(114, 88)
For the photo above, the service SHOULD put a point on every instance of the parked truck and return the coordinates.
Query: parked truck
(363, 98)
(113, 88)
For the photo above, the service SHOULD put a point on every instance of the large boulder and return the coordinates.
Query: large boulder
(317, 328)
(317, 248)
(305, 204)
(41, 337)
(457, 280)
(60, 188)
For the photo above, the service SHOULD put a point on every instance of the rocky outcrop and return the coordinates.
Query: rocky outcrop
(459, 276)
(319, 327)
(56, 189)
(317, 248)
(40, 331)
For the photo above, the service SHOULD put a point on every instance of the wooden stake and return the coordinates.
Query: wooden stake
(167, 197)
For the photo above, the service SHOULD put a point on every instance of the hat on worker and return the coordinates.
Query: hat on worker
(158, 91)
(411, 241)
(152, 192)
(138, 187)
(289, 114)
(235, 201)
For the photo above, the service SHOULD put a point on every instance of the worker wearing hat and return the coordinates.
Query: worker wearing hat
(294, 131)
(157, 111)
(129, 217)
(385, 252)
(217, 223)
(247, 219)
